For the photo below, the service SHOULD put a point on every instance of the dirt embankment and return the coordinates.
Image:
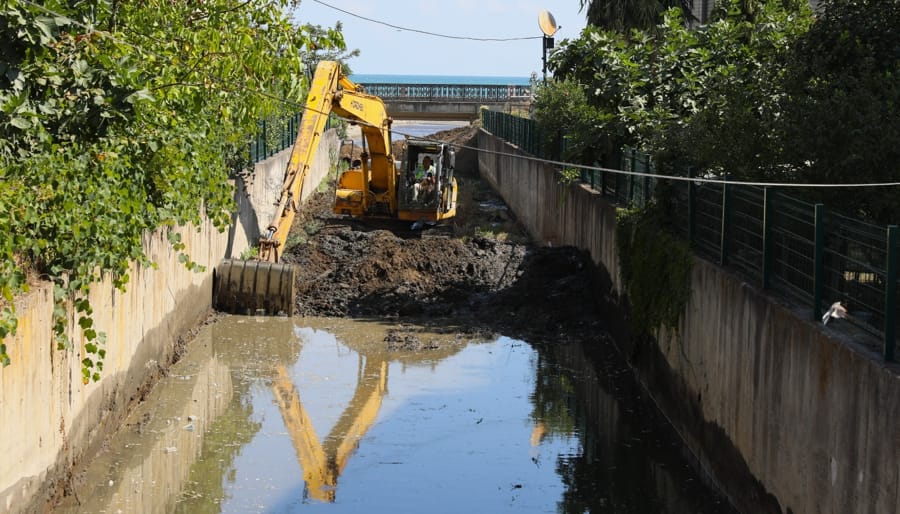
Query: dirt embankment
(477, 272)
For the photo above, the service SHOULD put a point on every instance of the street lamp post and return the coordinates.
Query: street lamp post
(548, 27)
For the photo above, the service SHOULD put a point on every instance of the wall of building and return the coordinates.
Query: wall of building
(49, 418)
(783, 414)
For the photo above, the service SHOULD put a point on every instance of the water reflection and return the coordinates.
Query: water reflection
(322, 464)
(277, 415)
(631, 461)
(146, 465)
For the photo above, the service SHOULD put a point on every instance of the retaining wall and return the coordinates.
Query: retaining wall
(783, 414)
(49, 419)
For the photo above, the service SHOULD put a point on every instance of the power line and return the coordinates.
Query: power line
(294, 104)
(696, 180)
(427, 33)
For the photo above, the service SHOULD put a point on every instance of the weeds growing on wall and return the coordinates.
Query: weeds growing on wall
(656, 269)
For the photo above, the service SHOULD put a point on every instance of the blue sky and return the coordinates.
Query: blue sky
(391, 51)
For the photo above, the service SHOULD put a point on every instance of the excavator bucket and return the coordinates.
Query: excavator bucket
(254, 287)
(266, 286)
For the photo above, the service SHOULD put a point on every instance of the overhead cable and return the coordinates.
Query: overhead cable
(696, 180)
(563, 164)
(426, 32)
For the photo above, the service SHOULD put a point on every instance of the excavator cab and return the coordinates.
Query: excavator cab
(425, 194)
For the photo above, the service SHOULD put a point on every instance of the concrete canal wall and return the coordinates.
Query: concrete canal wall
(49, 419)
(785, 415)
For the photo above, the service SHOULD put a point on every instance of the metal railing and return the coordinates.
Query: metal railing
(522, 132)
(623, 189)
(449, 92)
(798, 250)
(274, 135)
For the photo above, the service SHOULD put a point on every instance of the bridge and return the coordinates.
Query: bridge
(448, 101)
(451, 102)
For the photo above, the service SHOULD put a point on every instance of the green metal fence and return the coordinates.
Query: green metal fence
(274, 135)
(798, 250)
(622, 188)
(519, 131)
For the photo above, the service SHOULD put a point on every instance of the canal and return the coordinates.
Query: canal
(276, 415)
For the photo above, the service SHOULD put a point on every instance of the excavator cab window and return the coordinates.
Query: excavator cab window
(422, 192)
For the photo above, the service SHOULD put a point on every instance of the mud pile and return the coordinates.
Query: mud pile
(475, 273)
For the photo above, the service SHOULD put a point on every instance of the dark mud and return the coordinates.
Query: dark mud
(477, 272)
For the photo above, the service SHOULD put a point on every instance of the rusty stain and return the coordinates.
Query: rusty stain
(825, 367)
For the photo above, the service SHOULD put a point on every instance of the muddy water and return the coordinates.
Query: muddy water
(278, 415)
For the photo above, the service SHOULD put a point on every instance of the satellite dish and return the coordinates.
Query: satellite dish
(547, 23)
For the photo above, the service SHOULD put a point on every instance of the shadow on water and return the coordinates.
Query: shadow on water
(278, 415)
(632, 461)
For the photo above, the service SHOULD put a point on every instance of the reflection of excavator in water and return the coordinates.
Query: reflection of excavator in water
(288, 358)
(376, 188)
(322, 463)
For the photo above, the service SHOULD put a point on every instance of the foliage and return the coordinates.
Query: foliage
(841, 101)
(651, 89)
(655, 268)
(735, 128)
(625, 15)
(568, 125)
(122, 117)
(633, 86)
(569, 176)
(327, 51)
(764, 92)
(250, 253)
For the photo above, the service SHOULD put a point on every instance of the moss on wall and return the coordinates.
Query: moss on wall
(655, 269)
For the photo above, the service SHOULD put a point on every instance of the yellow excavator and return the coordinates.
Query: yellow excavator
(376, 186)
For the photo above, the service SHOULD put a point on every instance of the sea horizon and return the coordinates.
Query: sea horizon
(381, 78)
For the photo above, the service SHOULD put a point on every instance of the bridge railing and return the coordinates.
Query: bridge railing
(798, 250)
(449, 92)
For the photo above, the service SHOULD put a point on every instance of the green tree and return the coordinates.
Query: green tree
(571, 129)
(841, 120)
(625, 15)
(105, 134)
(327, 52)
(735, 128)
(707, 97)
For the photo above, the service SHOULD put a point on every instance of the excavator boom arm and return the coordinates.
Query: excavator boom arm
(312, 125)
(324, 98)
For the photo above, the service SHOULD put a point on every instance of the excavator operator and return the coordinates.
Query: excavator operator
(423, 187)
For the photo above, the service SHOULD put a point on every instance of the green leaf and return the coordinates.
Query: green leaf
(20, 123)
